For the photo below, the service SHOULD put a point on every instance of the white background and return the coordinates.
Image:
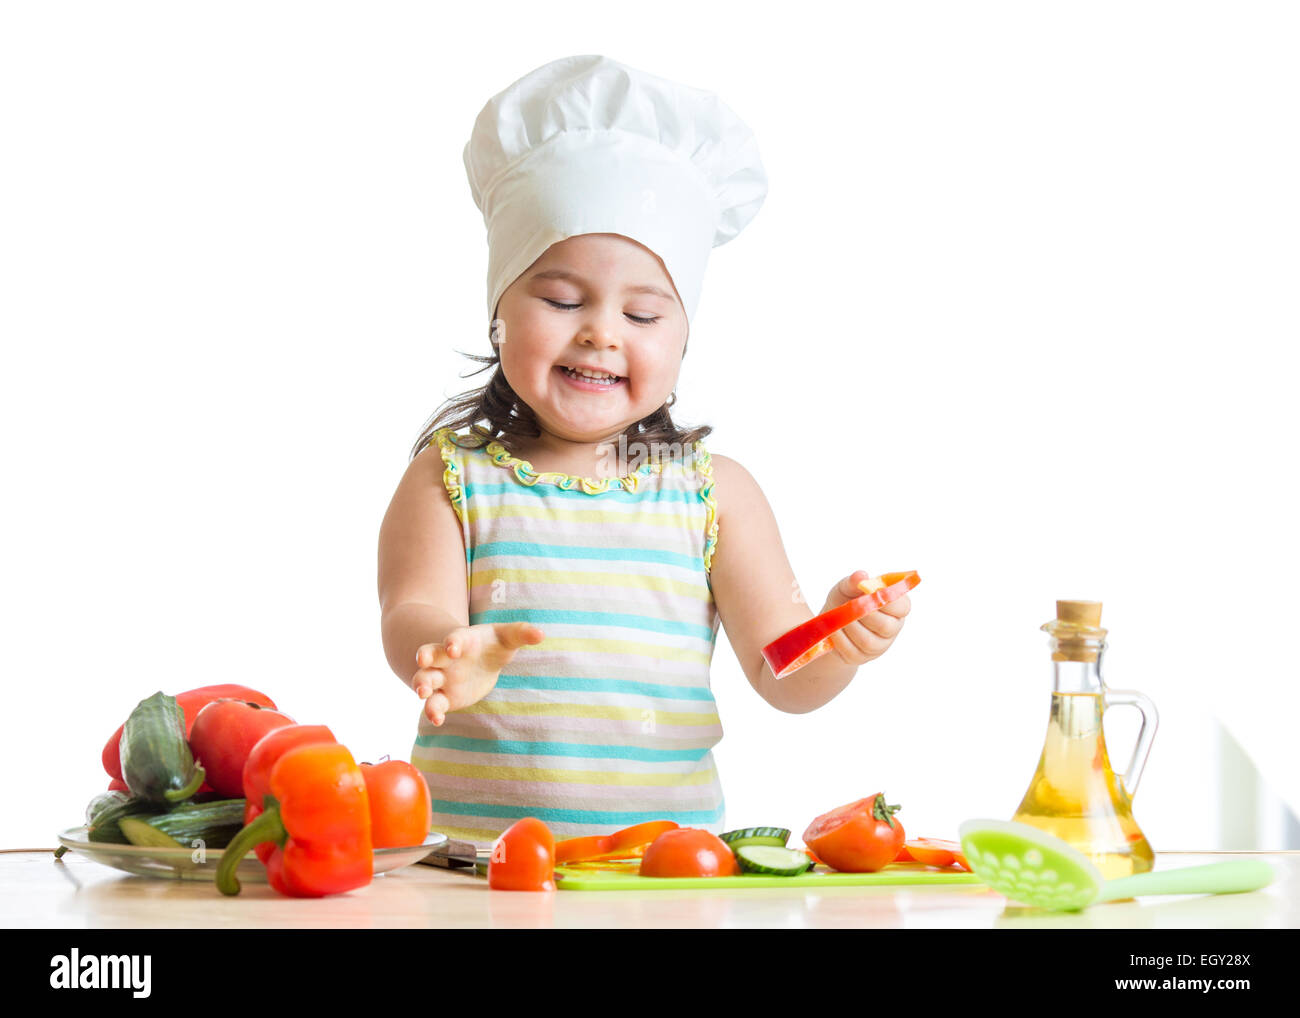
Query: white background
(1020, 312)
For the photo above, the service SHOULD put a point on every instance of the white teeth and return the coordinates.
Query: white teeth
(592, 376)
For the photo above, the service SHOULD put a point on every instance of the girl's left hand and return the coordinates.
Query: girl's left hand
(870, 636)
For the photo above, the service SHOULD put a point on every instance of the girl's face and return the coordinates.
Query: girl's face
(599, 301)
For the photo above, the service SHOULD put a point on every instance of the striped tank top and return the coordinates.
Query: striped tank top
(609, 721)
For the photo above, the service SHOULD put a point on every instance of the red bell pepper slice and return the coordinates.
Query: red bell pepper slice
(318, 817)
(933, 852)
(812, 639)
(629, 843)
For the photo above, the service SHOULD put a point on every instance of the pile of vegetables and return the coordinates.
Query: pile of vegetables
(176, 767)
(860, 837)
(221, 768)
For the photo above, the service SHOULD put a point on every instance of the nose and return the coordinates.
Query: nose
(599, 332)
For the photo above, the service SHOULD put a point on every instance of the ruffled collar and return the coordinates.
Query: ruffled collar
(524, 472)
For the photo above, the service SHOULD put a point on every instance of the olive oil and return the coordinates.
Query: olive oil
(1075, 794)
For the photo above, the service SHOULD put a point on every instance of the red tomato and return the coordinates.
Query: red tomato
(689, 852)
(523, 858)
(224, 733)
(401, 811)
(862, 837)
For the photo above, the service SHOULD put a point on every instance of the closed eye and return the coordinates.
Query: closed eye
(570, 307)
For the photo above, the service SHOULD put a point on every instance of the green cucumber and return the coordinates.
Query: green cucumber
(772, 860)
(213, 823)
(102, 803)
(776, 836)
(104, 812)
(157, 763)
(139, 833)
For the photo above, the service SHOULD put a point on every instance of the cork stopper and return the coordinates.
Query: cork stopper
(1076, 631)
(1079, 613)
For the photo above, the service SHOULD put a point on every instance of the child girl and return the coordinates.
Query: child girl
(557, 558)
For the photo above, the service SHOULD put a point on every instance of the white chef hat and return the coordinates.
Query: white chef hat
(585, 144)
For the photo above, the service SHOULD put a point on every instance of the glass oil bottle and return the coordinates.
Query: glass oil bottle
(1075, 794)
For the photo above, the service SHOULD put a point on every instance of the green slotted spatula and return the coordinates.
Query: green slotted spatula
(1039, 869)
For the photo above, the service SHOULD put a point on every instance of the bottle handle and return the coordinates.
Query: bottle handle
(1150, 721)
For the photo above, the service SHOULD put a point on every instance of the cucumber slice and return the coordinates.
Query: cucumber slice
(773, 861)
(776, 836)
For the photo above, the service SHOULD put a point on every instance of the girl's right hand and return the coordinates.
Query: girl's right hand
(870, 636)
(464, 667)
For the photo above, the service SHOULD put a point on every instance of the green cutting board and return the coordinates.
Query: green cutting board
(626, 879)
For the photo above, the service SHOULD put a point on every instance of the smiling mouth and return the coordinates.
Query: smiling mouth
(609, 381)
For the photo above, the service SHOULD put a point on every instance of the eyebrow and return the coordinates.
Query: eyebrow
(573, 277)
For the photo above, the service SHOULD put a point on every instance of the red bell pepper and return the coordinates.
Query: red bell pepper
(318, 817)
(191, 702)
(262, 759)
(804, 643)
(401, 811)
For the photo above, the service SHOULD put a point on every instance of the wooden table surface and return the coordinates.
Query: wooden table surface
(38, 891)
